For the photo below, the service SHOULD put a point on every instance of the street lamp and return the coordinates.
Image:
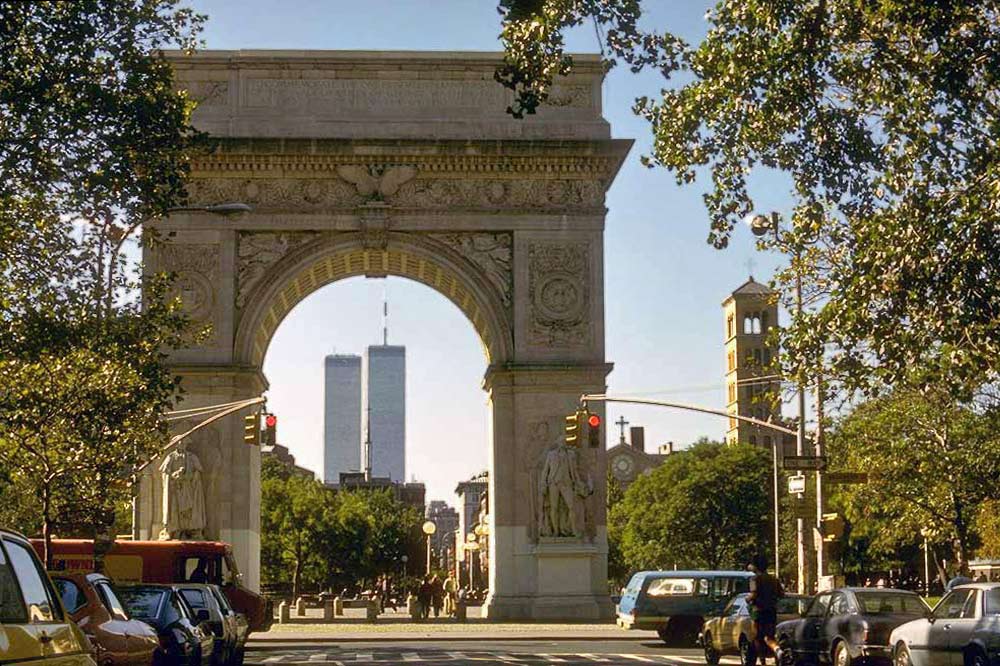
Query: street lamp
(761, 225)
(429, 529)
(471, 546)
(405, 559)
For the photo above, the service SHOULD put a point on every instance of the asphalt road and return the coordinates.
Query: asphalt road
(528, 653)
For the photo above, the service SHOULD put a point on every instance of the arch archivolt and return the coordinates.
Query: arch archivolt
(278, 270)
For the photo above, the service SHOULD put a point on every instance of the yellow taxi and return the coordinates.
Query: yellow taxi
(33, 626)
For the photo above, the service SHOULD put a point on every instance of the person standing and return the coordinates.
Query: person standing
(449, 596)
(765, 591)
(424, 597)
(437, 595)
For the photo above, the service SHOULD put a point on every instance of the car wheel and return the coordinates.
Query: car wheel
(901, 656)
(711, 654)
(747, 657)
(841, 656)
(975, 657)
(788, 657)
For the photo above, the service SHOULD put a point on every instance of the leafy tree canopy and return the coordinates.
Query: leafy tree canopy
(706, 507)
(884, 117)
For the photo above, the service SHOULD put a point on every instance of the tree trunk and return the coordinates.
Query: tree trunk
(296, 577)
(47, 529)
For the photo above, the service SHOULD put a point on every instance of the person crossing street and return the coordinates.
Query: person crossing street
(765, 591)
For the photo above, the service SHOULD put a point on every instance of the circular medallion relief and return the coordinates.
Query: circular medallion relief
(622, 466)
(195, 292)
(559, 297)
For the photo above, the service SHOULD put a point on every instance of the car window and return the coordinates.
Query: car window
(142, 603)
(70, 593)
(35, 590)
(175, 609)
(703, 587)
(734, 606)
(791, 605)
(670, 587)
(203, 569)
(739, 585)
(220, 599)
(12, 609)
(195, 598)
(819, 606)
(993, 601)
(891, 603)
(111, 601)
(952, 605)
(839, 605)
(969, 609)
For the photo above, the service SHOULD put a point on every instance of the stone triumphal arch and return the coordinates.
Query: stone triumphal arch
(405, 164)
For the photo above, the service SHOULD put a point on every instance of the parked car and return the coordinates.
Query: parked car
(163, 562)
(92, 603)
(962, 630)
(33, 624)
(731, 632)
(229, 628)
(676, 603)
(183, 641)
(849, 624)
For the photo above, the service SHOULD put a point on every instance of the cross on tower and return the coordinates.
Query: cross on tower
(621, 423)
(750, 264)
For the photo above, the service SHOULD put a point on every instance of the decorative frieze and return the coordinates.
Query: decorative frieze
(256, 252)
(491, 253)
(559, 294)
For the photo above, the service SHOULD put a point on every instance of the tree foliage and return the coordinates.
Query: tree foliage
(932, 464)
(885, 119)
(706, 507)
(94, 141)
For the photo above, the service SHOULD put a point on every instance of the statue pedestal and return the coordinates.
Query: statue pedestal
(566, 569)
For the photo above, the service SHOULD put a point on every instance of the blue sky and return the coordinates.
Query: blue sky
(664, 283)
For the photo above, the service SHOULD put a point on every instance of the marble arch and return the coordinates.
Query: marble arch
(406, 164)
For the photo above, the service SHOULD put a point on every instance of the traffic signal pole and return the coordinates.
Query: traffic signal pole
(600, 397)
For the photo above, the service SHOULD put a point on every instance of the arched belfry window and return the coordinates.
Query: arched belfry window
(756, 323)
(747, 325)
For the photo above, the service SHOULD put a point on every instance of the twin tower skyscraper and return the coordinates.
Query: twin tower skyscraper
(364, 411)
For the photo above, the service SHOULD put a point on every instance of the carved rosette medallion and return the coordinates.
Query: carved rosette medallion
(558, 285)
(491, 253)
(259, 251)
(197, 269)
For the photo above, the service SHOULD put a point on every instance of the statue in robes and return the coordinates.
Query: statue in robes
(183, 495)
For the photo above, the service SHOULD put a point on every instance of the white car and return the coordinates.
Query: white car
(962, 630)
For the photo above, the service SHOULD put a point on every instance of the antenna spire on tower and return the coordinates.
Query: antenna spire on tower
(385, 314)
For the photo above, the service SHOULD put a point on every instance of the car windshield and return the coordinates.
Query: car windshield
(141, 602)
(669, 587)
(891, 603)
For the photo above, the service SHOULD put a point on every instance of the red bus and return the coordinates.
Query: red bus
(166, 562)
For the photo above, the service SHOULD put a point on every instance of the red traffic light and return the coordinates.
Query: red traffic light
(594, 421)
(271, 421)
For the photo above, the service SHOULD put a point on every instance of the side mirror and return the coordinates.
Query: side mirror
(202, 615)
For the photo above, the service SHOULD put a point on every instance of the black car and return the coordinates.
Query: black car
(183, 642)
(849, 626)
(229, 628)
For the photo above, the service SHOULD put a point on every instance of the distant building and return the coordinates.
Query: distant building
(341, 416)
(411, 494)
(752, 382)
(385, 405)
(283, 456)
(628, 461)
(470, 493)
(445, 519)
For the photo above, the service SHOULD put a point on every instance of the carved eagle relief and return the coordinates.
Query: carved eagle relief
(375, 182)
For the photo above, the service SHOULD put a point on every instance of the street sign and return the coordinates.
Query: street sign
(797, 484)
(804, 462)
(845, 477)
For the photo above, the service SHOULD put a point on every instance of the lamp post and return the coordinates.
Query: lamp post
(471, 546)
(761, 225)
(429, 529)
(405, 559)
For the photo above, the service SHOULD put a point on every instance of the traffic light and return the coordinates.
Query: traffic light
(270, 429)
(594, 430)
(832, 527)
(251, 428)
(573, 429)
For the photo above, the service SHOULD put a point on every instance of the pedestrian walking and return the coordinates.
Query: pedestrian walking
(449, 596)
(437, 595)
(765, 591)
(424, 597)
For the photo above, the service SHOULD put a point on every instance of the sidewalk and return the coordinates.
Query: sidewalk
(399, 627)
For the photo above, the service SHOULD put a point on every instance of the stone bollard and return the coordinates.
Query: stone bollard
(371, 611)
(300, 607)
(412, 607)
(338, 606)
(283, 613)
(328, 612)
(460, 611)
